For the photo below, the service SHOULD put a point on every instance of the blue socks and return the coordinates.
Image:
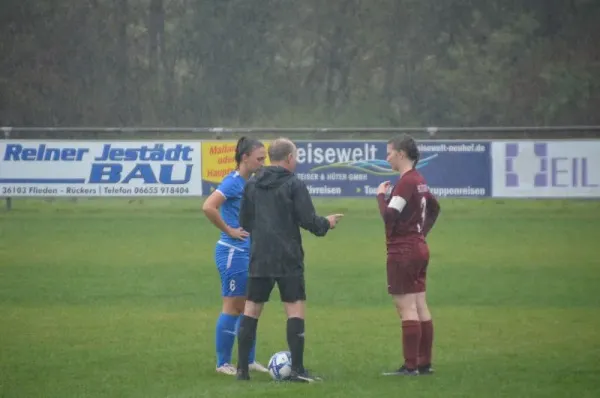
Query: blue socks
(225, 337)
(227, 329)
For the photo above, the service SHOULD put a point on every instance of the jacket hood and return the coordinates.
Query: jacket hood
(270, 177)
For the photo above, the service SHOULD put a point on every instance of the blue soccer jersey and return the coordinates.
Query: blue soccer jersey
(232, 257)
(232, 188)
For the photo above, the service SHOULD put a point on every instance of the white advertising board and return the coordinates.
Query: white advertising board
(100, 168)
(546, 169)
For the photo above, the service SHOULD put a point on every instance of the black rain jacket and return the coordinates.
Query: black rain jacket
(275, 205)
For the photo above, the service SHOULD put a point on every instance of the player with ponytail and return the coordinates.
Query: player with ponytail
(232, 252)
(408, 214)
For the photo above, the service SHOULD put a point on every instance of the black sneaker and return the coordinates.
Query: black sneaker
(242, 375)
(425, 370)
(403, 371)
(303, 377)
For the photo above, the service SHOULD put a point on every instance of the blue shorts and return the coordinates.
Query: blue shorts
(232, 264)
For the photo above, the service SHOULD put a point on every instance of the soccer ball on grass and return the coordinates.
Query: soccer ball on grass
(280, 365)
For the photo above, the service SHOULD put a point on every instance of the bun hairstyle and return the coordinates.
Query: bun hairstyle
(245, 146)
(408, 145)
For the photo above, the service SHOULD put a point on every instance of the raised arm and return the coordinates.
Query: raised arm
(305, 213)
(400, 195)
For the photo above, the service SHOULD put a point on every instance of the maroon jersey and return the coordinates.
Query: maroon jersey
(409, 213)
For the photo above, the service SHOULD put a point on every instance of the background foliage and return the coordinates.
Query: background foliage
(299, 63)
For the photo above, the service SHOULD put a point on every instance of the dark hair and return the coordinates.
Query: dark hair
(245, 146)
(408, 145)
(280, 149)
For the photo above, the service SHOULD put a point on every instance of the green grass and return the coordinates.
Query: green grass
(105, 298)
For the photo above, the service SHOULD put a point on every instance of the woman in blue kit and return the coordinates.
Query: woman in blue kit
(232, 253)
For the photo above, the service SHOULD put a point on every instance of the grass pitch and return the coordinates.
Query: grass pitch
(105, 298)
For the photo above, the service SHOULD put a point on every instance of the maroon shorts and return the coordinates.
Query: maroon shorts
(407, 270)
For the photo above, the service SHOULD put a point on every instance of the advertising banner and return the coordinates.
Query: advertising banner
(96, 168)
(356, 168)
(546, 169)
(218, 160)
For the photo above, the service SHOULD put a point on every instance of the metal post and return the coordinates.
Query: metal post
(6, 137)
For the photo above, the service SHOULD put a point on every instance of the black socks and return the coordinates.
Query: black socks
(295, 339)
(246, 336)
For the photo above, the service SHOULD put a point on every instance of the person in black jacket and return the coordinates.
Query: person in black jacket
(275, 205)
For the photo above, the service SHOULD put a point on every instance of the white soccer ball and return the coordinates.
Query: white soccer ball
(280, 365)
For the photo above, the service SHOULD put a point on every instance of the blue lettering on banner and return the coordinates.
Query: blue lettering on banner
(155, 154)
(546, 169)
(451, 168)
(41, 153)
(564, 172)
(575, 176)
(112, 173)
(113, 164)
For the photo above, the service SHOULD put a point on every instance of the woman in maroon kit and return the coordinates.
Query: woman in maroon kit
(409, 214)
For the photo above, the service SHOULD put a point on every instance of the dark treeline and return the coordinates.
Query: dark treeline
(299, 63)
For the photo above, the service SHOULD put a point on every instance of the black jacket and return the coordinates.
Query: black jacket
(274, 207)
